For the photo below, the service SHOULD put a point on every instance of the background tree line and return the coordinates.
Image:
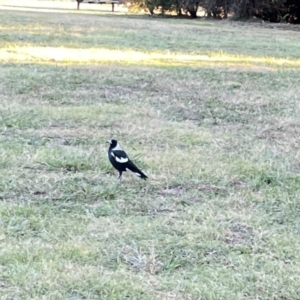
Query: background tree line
(268, 10)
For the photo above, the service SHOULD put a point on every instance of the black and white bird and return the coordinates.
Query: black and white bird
(121, 161)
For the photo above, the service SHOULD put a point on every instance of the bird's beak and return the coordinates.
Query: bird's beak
(109, 141)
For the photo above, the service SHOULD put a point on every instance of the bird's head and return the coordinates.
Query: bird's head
(113, 143)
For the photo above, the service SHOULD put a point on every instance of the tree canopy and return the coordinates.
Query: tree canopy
(268, 10)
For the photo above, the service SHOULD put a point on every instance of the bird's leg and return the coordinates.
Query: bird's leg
(120, 176)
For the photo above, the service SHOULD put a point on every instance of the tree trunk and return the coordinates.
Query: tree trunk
(225, 9)
(244, 12)
(297, 13)
(193, 13)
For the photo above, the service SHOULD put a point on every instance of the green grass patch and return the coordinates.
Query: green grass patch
(208, 111)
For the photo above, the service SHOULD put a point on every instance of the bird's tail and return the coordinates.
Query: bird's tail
(133, 168)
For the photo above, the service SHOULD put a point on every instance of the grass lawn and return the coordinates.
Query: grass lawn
(209, 110)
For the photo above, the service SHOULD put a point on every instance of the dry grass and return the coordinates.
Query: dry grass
(208, 110)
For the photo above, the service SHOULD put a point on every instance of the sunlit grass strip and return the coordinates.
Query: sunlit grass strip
(130, 57)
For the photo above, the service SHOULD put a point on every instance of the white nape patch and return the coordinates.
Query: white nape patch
(138, 174)
(118, 147)
(122, 160)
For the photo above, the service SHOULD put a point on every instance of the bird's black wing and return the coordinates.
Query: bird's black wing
(120, 156)
(133, 168)
(122, 162)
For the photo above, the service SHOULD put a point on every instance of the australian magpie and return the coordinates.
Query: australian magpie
(121, 161)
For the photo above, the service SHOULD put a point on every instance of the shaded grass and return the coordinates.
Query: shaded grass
(218, 217)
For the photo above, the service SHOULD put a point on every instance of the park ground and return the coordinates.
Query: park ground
(209, 110)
